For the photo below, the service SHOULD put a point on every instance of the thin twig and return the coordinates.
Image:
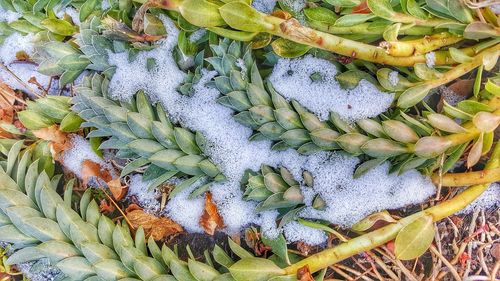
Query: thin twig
(452, 269)
(118, 207)
(20, 81)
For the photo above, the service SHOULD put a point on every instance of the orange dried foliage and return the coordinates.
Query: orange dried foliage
(117, 189)
(303, 274)
(156, 227)
(211, 219)
(7, 108)
(105, 207)
(59, 141)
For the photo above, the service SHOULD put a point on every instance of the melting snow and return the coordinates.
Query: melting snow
(292, 78)
(490, 198)
(13, 44)
(80, 151)
(228, 147)
(8, 16)
(147, 199)
(16, 43)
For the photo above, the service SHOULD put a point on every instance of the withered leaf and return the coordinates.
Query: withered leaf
(7, 96)
(156, 227)
(59, 141)
(117, 189)
(211, 219)
(105, 207)
(303, 274)
(91, 169)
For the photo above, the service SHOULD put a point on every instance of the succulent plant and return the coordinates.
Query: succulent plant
(65, 60)
(145, 135)
(406, 141)
(278, 189)
(86, 245)
(38, 18)
(50, 110)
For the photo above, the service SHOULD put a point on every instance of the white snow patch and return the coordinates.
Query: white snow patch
(268, 224)
(187, 212)
(394, 78)
(16, 43)
(292, 79)
(430, 59)
(23, 71)
(131, 77)
(12, 45)
(490, 198)
(70, 11)
(265, 6)
(197, 35)
(349, 200)
(229, 148)
(8, 16)
(80, 151)
(295, 232)
(147, 199)
(105, 4)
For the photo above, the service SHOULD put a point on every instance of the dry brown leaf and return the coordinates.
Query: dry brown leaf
(7, 96)
(303, 274)
(105, 207)
(59, 141)
(117, 189)
(7, 108)
(22, 56)
(211, 220)
(156, 227)
(91, 169)
(462, 87)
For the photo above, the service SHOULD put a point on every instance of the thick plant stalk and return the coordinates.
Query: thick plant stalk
(419, 46)
(383, 235)
(364, 29)
(241, 16)
(468, 178)
(292, 30)
(415, 94)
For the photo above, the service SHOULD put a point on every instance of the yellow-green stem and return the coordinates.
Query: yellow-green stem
(366, 29)
(463, 68)
(467, 178)
(419, 46)
(292, 30)
(385, 234)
